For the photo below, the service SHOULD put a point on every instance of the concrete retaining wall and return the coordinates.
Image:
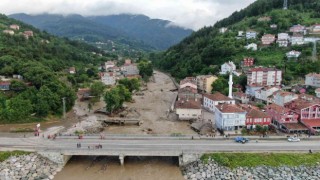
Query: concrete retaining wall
(56, 157)
(185, 159)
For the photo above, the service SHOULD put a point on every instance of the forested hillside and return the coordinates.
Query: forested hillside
(43, 61)
(204, 51)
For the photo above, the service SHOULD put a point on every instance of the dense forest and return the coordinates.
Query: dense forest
(205, 50)
(43, 61)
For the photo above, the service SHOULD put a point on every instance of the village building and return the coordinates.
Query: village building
(241, 97)
(204, 83)
(283, 39)
(252, 88)
(293, 54)
(252, 46)
(247, 62)
(298, 29)
(268, 39)
(212, 100)
(28, 34)
(229, 117)
(107, 78)
(189, 109)
(14, 27)
(130, 69)
(17, 76)
(10, 32)
(255, 116)
(317, 91)
(189, 82)
(72, 70)
(84, 94)
(285, 119)
(273, 26)
(265, 94)
(188, 93)
(251, 35)
(223, 30)
(297, 39)
(5, 85)
(264, 18)
(228, 67)
(315, 29)
(282, 97)
(309, 114)
(312, 79)
(264, 76)
(109, 65)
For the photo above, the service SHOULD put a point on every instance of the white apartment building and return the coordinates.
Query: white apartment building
(312, 79)
(264, 76)
(212, 100)
(229, 117)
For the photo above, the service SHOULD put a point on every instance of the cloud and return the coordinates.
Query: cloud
(192, 14)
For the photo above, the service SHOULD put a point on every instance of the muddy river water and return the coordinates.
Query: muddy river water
(109, 168)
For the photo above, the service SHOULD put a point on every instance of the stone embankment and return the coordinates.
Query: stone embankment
(201, 171)
(28, 167)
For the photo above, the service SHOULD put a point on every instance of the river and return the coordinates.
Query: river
(134, 168)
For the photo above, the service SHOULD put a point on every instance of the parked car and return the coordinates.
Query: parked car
(293, 139)
(241, 139)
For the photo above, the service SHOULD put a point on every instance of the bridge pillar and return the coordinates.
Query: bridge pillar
(186, 158)
(121, 158)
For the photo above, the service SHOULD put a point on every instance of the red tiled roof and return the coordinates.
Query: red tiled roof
(230, 108)
(312, 122)
(217, 97)
(263, 69)
(295, 126)
(239, 94)
(278, 108)
(5, 83)
(188, 104)
(313, 74)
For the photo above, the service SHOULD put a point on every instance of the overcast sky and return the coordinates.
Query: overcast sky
(192, 14)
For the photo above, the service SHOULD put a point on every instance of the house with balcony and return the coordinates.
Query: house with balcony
(212, 100)
(255, 116)
(309, 114)
(264, 76)
(204, 83)
(285, 119)
(265, 94)
(229, 117)
(283, 97)
(312, 79)
(297, 39)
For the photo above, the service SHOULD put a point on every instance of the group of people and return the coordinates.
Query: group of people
(78, 145)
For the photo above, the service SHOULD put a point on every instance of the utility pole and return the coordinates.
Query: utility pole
(314, 52)
(285, 4)
(64, 107)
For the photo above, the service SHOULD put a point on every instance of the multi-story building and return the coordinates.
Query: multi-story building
(264, 76)
(282, 97)
(297, 39)
(189, 82)
(283, 39)
(285, 119)
(229, 117)
(204, 83)
(212, 100)
(312, 79)
(251, 34)
(298, 29)
(130, 69)
(265, 94)
(108, 78)
(241, 97)
(255, 116)
(247, 62)
(315, 29)
(188, 109)
(228, 67)
(109, 65)
(14, 26)
(268, 39)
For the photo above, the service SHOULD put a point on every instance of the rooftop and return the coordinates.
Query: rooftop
(188, 104)
(217, 97)
(312, 122)
(295, 126)
(278, 108)
(230, 108)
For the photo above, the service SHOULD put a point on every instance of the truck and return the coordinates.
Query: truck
(241, 139)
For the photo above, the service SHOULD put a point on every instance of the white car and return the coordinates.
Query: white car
(293, 139)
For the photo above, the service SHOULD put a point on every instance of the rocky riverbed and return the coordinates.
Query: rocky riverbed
(28, 167)
(201, 171)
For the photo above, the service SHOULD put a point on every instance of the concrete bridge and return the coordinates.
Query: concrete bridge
(187, 150)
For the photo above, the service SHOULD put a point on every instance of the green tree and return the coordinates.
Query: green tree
(219, 85)
(112, 100)
(130, 84)
(97, 89)
(18, 86)
(145, 69)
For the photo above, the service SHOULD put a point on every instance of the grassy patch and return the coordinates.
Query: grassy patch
(234, 160)
(7, 154)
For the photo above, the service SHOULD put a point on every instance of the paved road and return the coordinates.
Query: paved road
(164, 146)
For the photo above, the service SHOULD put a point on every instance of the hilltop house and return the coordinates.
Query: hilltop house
(14, 27)
(229, 117)
(107, 78)
(264, 18)
(223, 30)
(10, 32)
(317, 91)
(312, 79)
(189, 109)
(315, 29)
(251, 35)
(293, 54)
(130, 69)
(228, 67)
(268, 39)
(298, 29)
(252, 46)
(212, 100)
(283, 39)
(5, 85)
(72, 70)
(28, 34)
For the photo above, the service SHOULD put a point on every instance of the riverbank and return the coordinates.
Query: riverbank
(254, 166)
(26, 166)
